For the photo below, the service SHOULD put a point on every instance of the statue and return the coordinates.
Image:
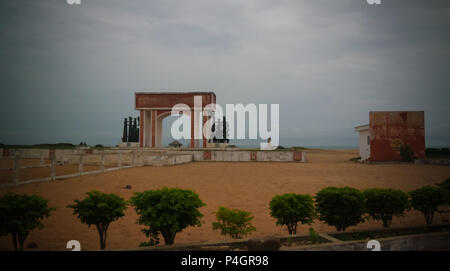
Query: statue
(130, 130)
(125, 131)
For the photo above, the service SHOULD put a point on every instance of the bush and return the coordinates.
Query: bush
(384, 204)
(340, 207)
(167, 211)
(236, 223)
(20, 214)
(313, 237)
(427, 200)
(99, 209)
(436, 152)
(445, 184)
(289, 209)
(406, 153)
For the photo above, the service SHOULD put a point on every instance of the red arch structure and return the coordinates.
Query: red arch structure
(155, 106)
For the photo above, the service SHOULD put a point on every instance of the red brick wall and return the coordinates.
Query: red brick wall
(168, 100)
(389, 130)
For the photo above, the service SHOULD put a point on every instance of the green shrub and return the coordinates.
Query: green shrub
(384, 204)
(427, 200)
(340, 207)
(166, 211)
(445, 184)
(289, 209)
(236, 223)
(406, 153)
(20, 214)
(313, 237)
(99, 209)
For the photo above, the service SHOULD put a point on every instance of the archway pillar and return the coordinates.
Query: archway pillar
(154, 107)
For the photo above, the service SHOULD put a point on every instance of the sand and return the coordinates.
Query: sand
(248, 186)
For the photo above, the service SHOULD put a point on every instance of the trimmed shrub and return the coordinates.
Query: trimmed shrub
(427, 200)
(406, 153)
(236, 223)
(340, 207)
(166, 211)
(20, 214)
(289, 209)
(99, 209)
(313, 237)
(384, 204)
(445, 184)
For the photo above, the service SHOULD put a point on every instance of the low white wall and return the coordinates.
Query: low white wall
(161, 156)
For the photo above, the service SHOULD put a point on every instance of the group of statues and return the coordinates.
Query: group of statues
(219, 131)
(131, 130)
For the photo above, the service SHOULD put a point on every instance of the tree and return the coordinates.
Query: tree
(236, 223)
(99, 209)
(446, 186)
(167, 211)
(384, 204)
(20, 214)
(340, 207)
(289, 209)
(427, 200)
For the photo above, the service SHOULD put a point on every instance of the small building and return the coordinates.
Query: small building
(175, 144)
(387, 131)
(364, 141)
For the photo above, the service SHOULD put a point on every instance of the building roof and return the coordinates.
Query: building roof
(362, 127)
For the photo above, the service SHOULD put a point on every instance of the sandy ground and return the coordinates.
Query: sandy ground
(248, 186)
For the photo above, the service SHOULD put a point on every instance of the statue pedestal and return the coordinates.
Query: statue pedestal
(129, 145)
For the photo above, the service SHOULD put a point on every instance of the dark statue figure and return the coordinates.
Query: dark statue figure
(130, 130)
(125, 131)
(219, 131)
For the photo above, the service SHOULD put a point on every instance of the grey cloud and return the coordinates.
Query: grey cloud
(69, 73)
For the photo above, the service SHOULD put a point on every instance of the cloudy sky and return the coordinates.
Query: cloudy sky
(68, 73)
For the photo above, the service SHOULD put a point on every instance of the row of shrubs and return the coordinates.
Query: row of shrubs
(168, 211)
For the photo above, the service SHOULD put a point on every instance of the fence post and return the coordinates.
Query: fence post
(42, 159)
(102, 166)
(80, 166)
(53, 167)
(16, 167)
(120, 159)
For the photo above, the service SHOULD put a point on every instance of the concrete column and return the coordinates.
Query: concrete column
(16, 167)
(303, 156)
(192, 130)
(53, 168)
(141, 128)
(102, 165)
(42, 159)
(80, 165)
(205, 119)
(154, 128)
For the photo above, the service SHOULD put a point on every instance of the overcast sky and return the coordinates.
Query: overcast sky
(68, 73)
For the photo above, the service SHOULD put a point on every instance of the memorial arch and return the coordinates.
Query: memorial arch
(155, 106)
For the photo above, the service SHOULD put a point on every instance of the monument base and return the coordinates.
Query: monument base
(129, 145)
